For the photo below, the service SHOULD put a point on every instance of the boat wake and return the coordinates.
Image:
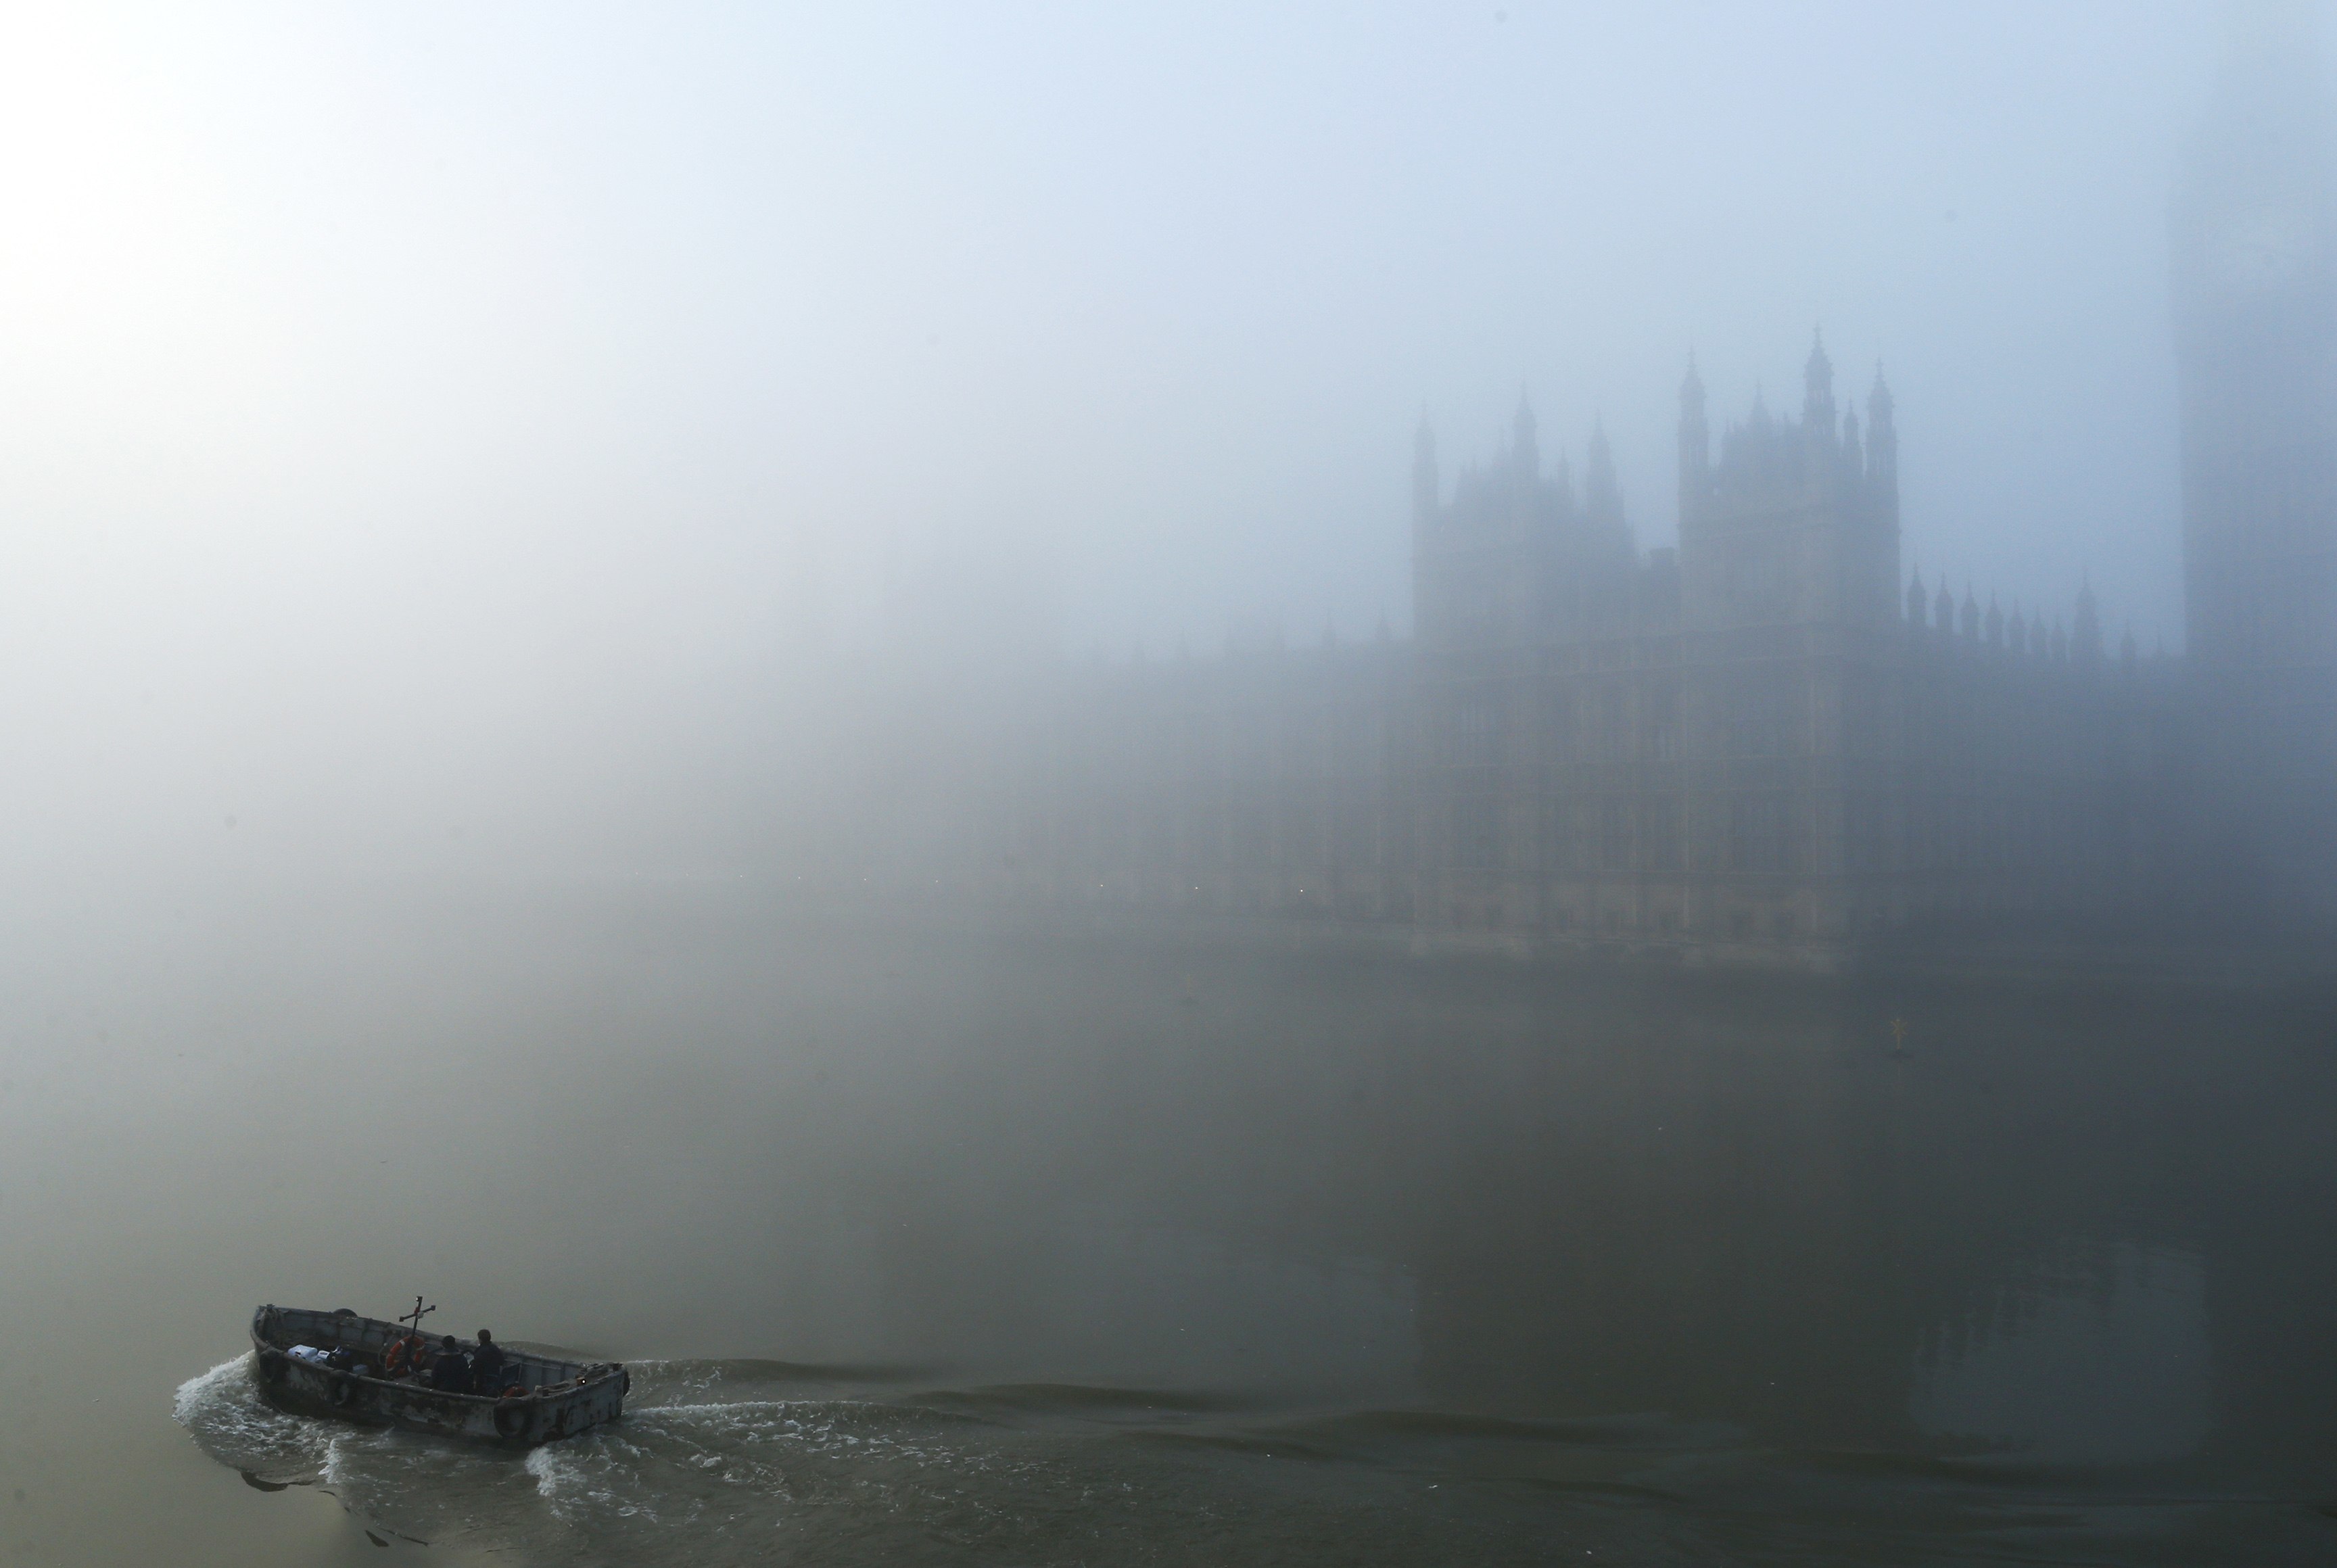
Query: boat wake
(717, 1461)
(722, 1462)
(221, 1409)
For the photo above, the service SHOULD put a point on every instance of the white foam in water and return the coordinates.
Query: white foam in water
(665, 1469)
(584, 1474)
(332, 1473)
(221, 1409)
(203, 1388)
(701, 1407)
(553, 1472)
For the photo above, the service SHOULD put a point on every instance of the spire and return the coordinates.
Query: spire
(2086, 634)
(1995, 626)
(1883, 443)
(1692, 397)
(1602, 500)
(1695, 443)
(1969, 624)
(1817, 384)
(1916, 604)
(1943, 613)
(1426, 488)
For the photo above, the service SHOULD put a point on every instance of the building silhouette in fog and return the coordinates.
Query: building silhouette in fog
(1763, 743)
(2254, 246)
(1772, 743)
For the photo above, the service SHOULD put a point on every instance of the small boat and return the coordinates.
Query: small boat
(563, 1399)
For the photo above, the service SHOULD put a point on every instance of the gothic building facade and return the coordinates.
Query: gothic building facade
(1754, 746)
(1768, 743)
(1747, 741)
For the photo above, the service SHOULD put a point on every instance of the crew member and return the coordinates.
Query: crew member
(450, 1370)
(487, 1366)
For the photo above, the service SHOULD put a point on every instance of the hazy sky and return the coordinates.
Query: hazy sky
(458, 354)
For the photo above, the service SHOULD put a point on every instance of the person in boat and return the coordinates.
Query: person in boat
(450, 1369)
(487, 1366)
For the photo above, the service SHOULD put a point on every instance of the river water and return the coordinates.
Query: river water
(988, 1250)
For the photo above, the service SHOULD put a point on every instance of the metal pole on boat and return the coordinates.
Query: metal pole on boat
(415, 1316)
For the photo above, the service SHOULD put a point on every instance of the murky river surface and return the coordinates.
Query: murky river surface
(952, 1251)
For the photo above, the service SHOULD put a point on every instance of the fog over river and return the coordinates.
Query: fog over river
(715, 683)
(955, 1249)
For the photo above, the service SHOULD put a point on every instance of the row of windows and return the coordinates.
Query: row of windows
(1349, 744)
(1762, 834)
(1766, 713)
(1612, 834)
(1768, 834)
(1606, 724)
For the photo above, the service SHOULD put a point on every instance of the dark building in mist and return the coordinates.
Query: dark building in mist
(1759, 738)
(1770, 744)
(1756, 746)
(2255, 270)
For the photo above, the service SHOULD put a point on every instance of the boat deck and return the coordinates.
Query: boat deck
(563, 1397)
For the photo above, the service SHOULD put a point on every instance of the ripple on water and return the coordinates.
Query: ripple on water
(221, 1409)
(1037, 1475)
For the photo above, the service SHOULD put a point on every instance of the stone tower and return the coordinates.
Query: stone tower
(1789, 585)
(1796, 521)
(2253, 242)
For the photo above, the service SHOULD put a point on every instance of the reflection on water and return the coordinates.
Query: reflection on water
(2101, 1357)
(1154, 1302)
(978, 1250)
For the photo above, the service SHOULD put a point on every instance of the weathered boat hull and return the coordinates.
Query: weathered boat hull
(581, 1396)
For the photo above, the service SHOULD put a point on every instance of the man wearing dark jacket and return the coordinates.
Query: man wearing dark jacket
(450, 1371)
(487, 1366)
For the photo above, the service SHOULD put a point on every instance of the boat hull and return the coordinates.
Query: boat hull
(588, 1396)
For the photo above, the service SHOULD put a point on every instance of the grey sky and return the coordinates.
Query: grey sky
(456, 356)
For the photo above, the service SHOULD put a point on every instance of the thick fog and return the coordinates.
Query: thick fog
(432, 429)
(893, 712)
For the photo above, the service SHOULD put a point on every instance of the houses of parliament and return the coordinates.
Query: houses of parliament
(1771, 743)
